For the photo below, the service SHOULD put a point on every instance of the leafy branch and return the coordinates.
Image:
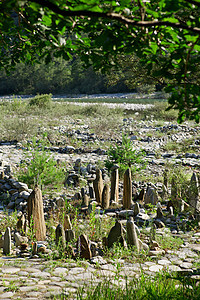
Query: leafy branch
(113, 16)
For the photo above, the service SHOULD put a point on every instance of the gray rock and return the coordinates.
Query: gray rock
(69, 235)
(20, 239)
(151, 196)
(132, 238)
(127, 190)
(7, 241)
(116, 235)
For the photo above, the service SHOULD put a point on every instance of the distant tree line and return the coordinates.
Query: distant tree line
(71, 77)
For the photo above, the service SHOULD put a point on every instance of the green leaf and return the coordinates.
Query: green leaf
(46, 20)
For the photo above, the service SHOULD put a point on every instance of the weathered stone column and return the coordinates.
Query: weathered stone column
(151, 196)
(106, 197)
(127, 191)
(7, 241)
(98, 186)
(67, 222)
(60, 236)
(36, 214)
(132, 238)
(114, 185)
(194, 194)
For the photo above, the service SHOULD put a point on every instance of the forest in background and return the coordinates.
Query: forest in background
(71, 77)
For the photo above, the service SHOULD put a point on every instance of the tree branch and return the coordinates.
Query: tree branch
(193, 2)
(113, 16)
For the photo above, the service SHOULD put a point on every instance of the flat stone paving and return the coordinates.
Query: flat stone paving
(22, 278)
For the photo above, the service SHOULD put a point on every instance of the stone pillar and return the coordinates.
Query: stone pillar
(106, 197)
(7, 242)
(151, 196)
(194, 194)
(132, 238)
(159, 214)
(91, 192)
(114, 185)
(127, 191)
(60, 236)
(98, 186)
(67, 222)
(21, 224)
(82, 193)
(116, 235)
(165, 178)
(36, 214)
(69, 235)
(136, 209)
(174, 190)
(84, 247)
(141, 195)
(85, 201)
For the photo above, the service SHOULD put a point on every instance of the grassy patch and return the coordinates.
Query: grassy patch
(160, 287)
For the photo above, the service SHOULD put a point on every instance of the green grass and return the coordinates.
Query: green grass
(161, 287)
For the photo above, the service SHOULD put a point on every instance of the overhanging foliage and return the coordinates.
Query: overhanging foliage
(164, 34)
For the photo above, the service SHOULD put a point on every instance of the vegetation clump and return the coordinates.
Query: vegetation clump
(41, 101)
(125, 156)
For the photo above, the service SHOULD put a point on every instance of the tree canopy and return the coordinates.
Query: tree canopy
(164, 35)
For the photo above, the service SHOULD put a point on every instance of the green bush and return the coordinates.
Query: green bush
(41, 101)
(125, 156)
(40, 167)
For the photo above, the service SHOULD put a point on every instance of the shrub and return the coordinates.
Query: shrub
(40, 167)
(125, 156)
(41, 101)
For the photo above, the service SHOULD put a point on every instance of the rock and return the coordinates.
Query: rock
(136, 210)
(24, 195)
(151, 196)
(93, 248)
(91, 192)
(116, 235)
(159, 223)
(132, 238)
(85, 201)
(11, 205)
(141, 195)
(7, 242)
(83, 247)
(143, 246)
(156, 252)
(194, 194)
(42, 249)
(106, 197)
(1, 241)
(23, 246)
(60, 201)
(175, 193)
(126, 213)
(60, 236)
(19, 185)
(114, 185)
(34, 248)
(67, 222)
(20, 239)
(36, 214)
(69, 235)
(115, 205)
(21, 224)
(159, 211)
(127, 190)
(98, 186)
(165, 178)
